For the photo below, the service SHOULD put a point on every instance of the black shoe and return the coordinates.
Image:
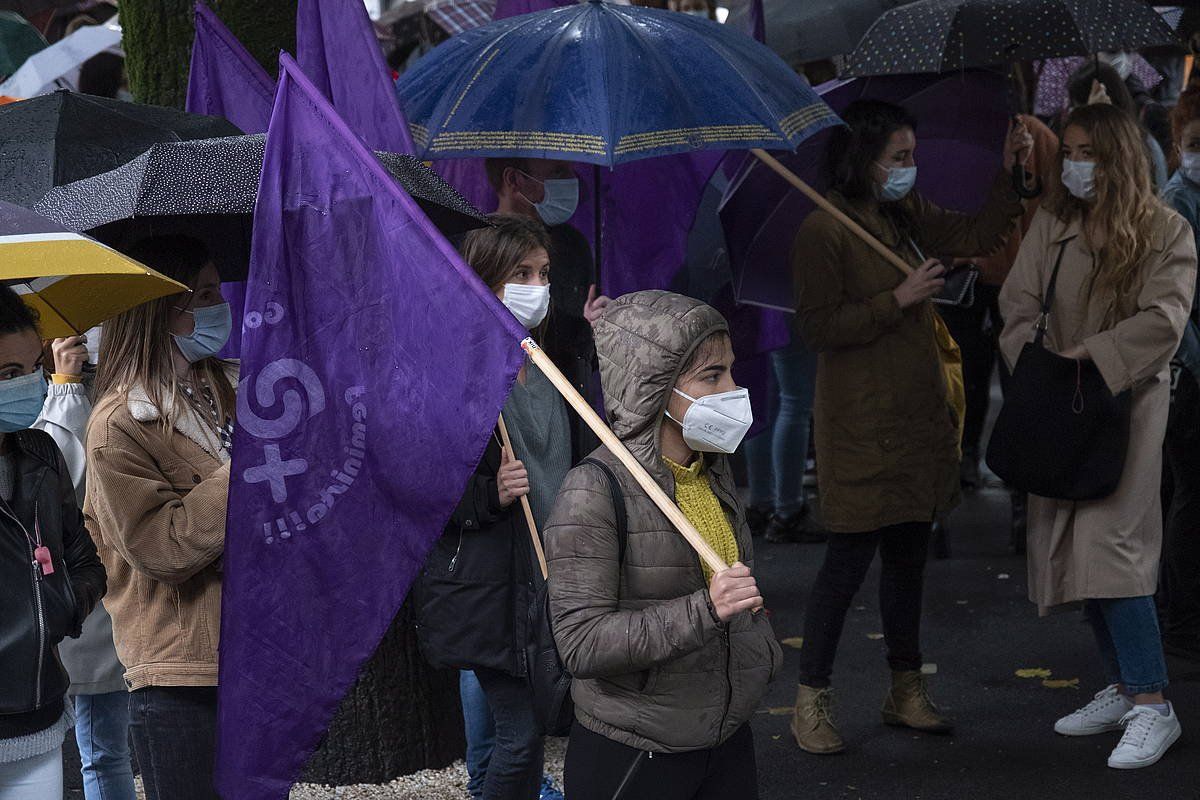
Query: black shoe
(795, 528)
(757, 518)
(940, 540)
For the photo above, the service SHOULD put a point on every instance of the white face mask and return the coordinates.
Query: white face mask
(697, 12)
(1189, 165)
(716, 423)
(528, 304)
(559, 200)
(1079, 178)
(900, 181)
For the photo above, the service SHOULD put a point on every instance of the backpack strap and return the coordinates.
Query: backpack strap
(618, 504)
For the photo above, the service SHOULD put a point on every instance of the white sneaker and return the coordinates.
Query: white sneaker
(1103, 714)
(1148, 735)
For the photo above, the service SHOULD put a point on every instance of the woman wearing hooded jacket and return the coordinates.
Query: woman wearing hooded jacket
(669, 662)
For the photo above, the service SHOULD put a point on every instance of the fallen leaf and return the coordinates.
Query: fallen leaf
(1003, 576)
(860, 608)
(780, 711)
(1071, 683)
(929, 669)
(775, 738)
(793, 641)
(875, 636)
(1034, 672)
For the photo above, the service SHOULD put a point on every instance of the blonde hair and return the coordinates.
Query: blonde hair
(1124, 207)
(136, 349)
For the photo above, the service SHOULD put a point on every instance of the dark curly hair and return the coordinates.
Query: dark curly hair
(15, 315)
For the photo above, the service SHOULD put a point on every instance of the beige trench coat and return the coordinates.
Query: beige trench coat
(1109, 547)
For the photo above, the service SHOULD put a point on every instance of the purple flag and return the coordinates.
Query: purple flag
(225, 80)
(374, 367)
(337, 48)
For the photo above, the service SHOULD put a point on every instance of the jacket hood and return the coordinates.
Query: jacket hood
(642, 341)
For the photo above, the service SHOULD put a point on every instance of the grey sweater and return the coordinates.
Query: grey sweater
(540, 429)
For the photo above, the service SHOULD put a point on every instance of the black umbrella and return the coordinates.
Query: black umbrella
(813, 30)
(206, 188)
(64, 136)
(946, 35)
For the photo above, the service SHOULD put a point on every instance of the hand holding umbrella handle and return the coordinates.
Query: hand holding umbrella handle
(1020, 177)
(525, 507)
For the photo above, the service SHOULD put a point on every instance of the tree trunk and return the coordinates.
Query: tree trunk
(400, 716)
(158, 41)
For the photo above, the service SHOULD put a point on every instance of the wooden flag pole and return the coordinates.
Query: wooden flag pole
(618, 449)
(838, 214)
(533, 530)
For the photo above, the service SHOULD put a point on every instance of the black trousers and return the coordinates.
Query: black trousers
(174, 730)
(600, 769)
(848, 556)
(977, 330)
(1181, 544)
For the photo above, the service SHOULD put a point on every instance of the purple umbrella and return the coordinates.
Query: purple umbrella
(962, 121)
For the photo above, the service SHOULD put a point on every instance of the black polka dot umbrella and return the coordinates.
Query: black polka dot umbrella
(948, 35)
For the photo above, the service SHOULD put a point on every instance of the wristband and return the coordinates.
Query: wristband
(59, 378)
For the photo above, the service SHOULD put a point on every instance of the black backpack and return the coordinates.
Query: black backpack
(549, 680)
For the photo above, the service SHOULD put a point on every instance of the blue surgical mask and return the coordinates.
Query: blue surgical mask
(1189, 165)
(21, 401)
(900, 182)
(213, 324)
(1080, 178)
(559, 201)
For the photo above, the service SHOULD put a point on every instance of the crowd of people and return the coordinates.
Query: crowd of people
(114, 475)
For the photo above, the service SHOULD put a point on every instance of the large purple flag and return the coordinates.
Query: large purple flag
(225, 80)
(374, 367)
(337, 48)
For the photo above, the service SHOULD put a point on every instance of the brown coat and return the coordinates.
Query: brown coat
(1109, 547)
(886, 438)
(155, 506)
(653, 669)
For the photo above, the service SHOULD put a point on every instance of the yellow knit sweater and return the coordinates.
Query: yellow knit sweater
(700, 505)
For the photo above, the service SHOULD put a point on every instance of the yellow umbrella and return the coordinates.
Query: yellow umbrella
(73, 281)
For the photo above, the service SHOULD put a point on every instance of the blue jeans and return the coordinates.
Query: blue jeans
(1130, 644)
(102, 731)
(37, 778)
(514, 771)
(775, 458)
(480, 729)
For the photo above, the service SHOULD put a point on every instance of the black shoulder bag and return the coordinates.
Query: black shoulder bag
(1061, 433)
(549, 680)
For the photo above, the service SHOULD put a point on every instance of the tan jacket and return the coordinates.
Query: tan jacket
(653, 669)
(886, 437)
(1109, 547)
(155, 506)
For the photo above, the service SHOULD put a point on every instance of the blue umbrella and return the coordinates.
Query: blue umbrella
(605, 84)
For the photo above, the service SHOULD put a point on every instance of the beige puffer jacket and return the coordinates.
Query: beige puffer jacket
(653, 669)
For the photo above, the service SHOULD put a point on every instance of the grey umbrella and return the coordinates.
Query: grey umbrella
(207, 188)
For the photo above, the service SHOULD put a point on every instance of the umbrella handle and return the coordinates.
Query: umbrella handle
(1020, 183)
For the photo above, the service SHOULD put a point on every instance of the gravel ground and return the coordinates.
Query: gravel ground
(431, 784)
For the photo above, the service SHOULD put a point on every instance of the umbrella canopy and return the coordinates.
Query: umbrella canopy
(819, 29)
(41, 72)
(63, 137)
(207, 188)
(945, 35)
(605, 84)
(958, 155)
(18, 41)
(73, 281)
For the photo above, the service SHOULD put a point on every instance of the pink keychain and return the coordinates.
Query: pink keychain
(41, 553)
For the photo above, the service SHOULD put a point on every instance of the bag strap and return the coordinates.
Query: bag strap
(1043, 320)
(618, 503)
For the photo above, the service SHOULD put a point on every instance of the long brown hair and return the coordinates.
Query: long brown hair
(136, 349)
(1124, 207)
(496, 251)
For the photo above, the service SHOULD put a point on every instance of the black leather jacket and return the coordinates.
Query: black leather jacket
(37, 610)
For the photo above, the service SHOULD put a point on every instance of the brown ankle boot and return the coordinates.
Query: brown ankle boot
(812, 722)
(908, 705)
